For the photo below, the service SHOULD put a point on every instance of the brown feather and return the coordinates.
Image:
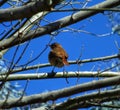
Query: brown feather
(57, 56)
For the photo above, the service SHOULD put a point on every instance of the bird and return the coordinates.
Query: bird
(57, 56)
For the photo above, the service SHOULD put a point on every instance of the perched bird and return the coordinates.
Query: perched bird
(57, 56)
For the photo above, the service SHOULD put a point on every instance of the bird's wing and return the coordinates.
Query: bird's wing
(57, 54)
(61, 54)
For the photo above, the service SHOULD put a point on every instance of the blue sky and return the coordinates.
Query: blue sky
(73, 43)
(93, 47)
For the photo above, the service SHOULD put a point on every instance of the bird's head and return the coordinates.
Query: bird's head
(55, 45)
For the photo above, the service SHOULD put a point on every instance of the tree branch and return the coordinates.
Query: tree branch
(87, 9)
(75, 74)
(70, 62)
(26, 11)
(82, 101)
(47, 29)
(65, 92)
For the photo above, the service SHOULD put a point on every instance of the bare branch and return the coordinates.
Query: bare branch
(92, 97)
(25, 11)
(97, 59)
(53, 95)
(71, 74)
(70, 62)
(79, 16)
(88, 9)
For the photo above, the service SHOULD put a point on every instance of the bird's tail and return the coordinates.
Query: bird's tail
(65, 62)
